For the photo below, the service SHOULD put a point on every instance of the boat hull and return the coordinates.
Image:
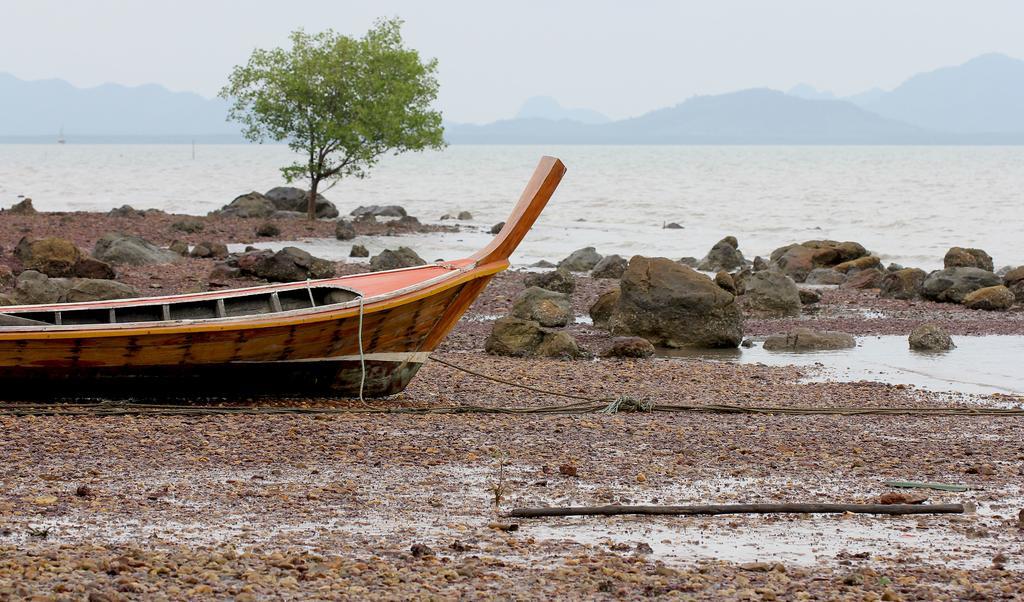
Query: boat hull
(312, 358)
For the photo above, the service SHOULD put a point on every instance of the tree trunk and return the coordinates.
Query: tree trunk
(311, 201)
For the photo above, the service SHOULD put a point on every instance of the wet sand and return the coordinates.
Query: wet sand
(356, 506)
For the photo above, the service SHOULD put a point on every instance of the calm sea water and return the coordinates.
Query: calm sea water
(908, 204)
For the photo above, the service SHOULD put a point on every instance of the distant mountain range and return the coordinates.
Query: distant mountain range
(30, 109)
(978, 102)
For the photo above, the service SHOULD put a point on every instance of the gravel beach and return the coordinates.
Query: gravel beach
(397, 506)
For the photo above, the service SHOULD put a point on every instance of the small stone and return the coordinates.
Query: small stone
(268, 229)
(420, 550)
(568, 470)
(633, 347)
(359, 251)
(672, 226)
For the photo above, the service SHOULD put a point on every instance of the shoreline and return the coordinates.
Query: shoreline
(342, 505)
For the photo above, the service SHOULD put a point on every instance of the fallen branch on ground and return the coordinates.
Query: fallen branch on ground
(742, 509)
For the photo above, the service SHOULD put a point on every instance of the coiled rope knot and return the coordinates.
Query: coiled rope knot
(625, 403)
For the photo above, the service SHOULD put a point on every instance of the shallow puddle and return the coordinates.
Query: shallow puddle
(979, 365)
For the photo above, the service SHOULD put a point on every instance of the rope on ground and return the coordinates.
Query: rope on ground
(583, 405)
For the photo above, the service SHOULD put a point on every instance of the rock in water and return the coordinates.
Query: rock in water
(672, 305)
(465, 216)
(805, 339)
(496, 228)
(610, 267)
(344, 230)
(771, 294)
(252, 204)
(724, 255)
(402, 257)
(548, 308)
(379, 211)
(637, 347)
(289, 198)
(359, 251)
(131, 250)
(951, 285)
(581, 260)
(559, 280)
(290, 264)
(602, 309)
(991, 298)
(523, 338)
(903, 284)
(930, 337)
(959, 257)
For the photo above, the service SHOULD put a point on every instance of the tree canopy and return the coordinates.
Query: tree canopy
(340, 102)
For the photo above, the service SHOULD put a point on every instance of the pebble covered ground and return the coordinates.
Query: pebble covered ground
(399, 506)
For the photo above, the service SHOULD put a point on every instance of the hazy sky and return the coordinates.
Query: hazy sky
(621, 58)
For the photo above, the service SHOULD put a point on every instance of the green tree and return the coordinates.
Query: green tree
(340, 102)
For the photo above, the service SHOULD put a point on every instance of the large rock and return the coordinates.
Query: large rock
(959, 257)
(610, 267)
(724, 255)
(55, 257)
(90, 267)
(581, 260)
(672, 305)
(22, 208)
(825, 276)
(34, 288)
(548, 308)
(1014, 280)
(635, 347)
(798, 260)
(951, 285)
(991, 298)
(131, 250)
(559, 280)
(805, 339)
(867, 262)
(903, 284)
(89, 289)
(252, 204)
(771, 294)
(289, 198)
(208, 249)
(402, 257)
(864, 279)
(379, 211)
(525, 338)
(602, 309)
(930, 337)
(344, 230)
(291, 264)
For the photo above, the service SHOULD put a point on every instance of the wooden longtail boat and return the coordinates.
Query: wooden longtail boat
(366, 333)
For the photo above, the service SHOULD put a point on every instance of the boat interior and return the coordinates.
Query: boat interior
(188, 308)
